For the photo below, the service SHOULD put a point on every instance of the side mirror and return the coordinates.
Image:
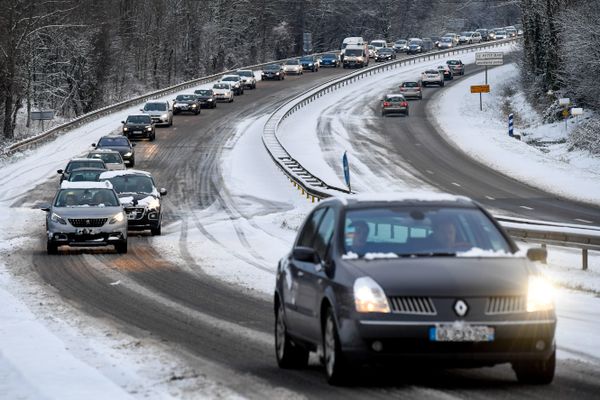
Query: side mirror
(59, 171)
(45, 207)
(93, 144)
(163, 191)
(133, 144)
(141, 109)
(537, 254)
(306, 254)
(123, 122)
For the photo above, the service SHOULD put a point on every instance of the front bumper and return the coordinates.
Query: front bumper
(185, 108)
(514, 341)
(136, 133)
(271, 76)
(159, 120)
(139, 218)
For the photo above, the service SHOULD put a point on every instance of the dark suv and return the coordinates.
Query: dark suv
(186, 103)
(140, 198)
(139, 126)
(120, 144)
(310, 63)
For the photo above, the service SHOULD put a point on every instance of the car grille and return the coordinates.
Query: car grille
(87, 222)
(505, 305)
(413, 305)
(134, 213)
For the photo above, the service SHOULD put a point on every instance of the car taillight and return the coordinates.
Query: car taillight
(404, 104)
(402, 89)
(386, 104)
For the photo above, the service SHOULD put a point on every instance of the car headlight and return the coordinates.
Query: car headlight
(149, 128)
(369, 296)
(128, 154)
(57, 218)
(209, 100)
(120, 217)
(193, 106)
(540, 294)
(164, 116)
(125, 129)
(276, 73)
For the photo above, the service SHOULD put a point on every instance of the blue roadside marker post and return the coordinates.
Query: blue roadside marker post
(510, 125)
(346, 171)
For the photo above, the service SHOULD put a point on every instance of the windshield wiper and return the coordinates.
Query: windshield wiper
(429, 254)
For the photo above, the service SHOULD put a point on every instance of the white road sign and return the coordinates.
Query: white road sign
(489, 58)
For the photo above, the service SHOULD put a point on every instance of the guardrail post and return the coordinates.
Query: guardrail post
(584, 259)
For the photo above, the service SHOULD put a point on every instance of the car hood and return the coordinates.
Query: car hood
(86, 212)
(448, 276)
(121, 149)
(156, 112)
(185, 101)
(139, 200)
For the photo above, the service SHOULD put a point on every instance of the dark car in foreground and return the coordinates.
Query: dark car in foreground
(408, 279)
(273, 71)
(385, 54)
(139, 126)
(139, 196)
(120, 144)
(206, 98)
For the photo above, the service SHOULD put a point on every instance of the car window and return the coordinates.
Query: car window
(84, 176)
(155, 107)
(113, 141)
(410, 84)
(109, 158)
(203, 92)
(421, 230)
(132, 184)
(93, 197)
(324, 233)
(84, 164)
(308, 232)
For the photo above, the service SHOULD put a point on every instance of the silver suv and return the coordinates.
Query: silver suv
(248, 78)
(86, 214)
(160, 111)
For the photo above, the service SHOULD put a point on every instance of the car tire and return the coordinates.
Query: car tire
(121, 247)
(132, 163)
(406, 113)
(157, 231)
(336, 366)
(152, 137)
(51, 247)
(538, 372)
(288, 354)
(231, 99)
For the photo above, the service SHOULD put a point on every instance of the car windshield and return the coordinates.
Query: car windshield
(292, 62)
(85, 176)
(221, 86)
(501, 33)
(353, 52)
(92, 197)
(446, 39)
(410, 84)
(139, 119)
(155, 107)
(400, 42)
(185, 97)
(272, 67)
(132, 184)
(114, 141)
(395, 99)
(230, 78)
(453, 62)
(203, 92)
(328, 56)
(85, 164)
(108, 158)
(245, 73)
(432, 72)
(421, 230)
(306, 59)
(385, 50)
(415, 42)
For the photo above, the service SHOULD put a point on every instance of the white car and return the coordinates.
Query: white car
(223, 91)
(237, 85)
(432, 77)
(378, 44)
(248, 78)
(293, 67)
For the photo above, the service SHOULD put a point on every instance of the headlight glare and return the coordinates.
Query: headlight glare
(540, 294)
(369, 296)
(57, 218)
(120, 217)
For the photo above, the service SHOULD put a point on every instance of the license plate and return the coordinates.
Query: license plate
(86, 231)
(137, 131)
(461, 333)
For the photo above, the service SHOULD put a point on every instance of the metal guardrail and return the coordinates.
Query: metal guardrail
(308, 183)
(93, 115)
(544, 232)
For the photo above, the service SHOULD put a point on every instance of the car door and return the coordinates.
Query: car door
(311, 284)
(296, 316)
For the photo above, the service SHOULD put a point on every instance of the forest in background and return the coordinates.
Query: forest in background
(74, 56)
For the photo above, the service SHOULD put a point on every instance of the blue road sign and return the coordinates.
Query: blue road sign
(346, 170)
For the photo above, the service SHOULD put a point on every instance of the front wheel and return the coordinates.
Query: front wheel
(51, 247)
(121, 247)
(156, 231)
(336, 367)
(288, 354)
(536, 372)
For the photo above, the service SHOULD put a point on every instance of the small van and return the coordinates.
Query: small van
(356, 56)
(351, 41)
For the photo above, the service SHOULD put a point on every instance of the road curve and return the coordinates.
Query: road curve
(222, 324)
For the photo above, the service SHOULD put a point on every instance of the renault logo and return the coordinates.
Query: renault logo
(461, 308)
(87, 222)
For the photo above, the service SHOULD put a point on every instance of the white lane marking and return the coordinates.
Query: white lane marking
(490, 198)
(417, 144)
(585, 221)
(456, 184)
(429, 172)
(527, 208)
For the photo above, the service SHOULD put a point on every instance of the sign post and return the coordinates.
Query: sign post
(565, 102)
(346, 171)
(510, 125)
(486, 59)
(45, 115)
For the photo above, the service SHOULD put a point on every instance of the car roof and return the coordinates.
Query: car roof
(230, 76)
(103, 150)
(135, 115)
(401, 198)
(88, 169)
(126, 172)
(86, 185)
(157, 101)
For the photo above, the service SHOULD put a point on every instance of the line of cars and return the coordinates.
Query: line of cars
(397, 103)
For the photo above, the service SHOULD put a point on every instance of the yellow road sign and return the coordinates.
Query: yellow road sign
(480, 89)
